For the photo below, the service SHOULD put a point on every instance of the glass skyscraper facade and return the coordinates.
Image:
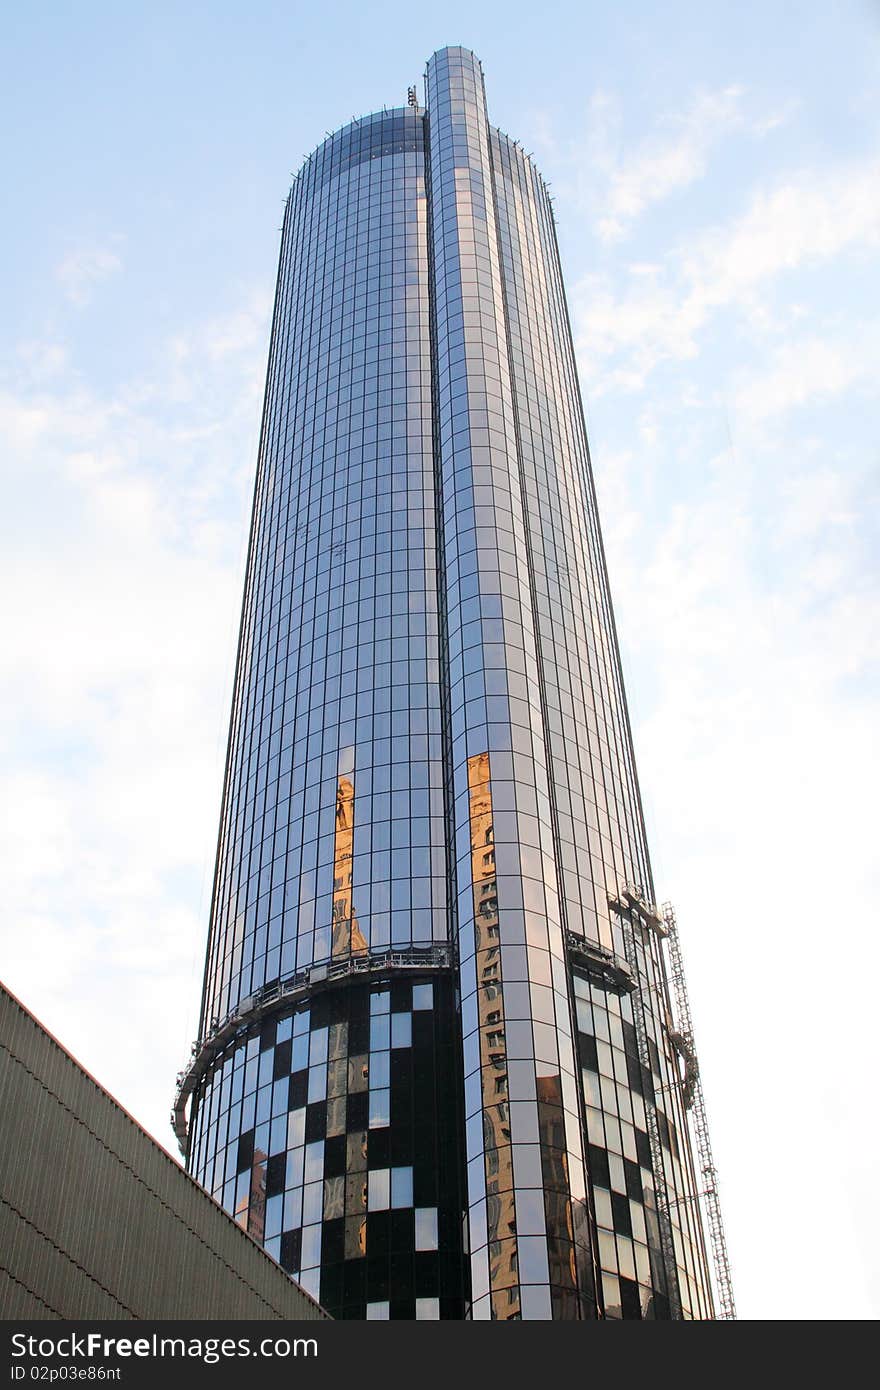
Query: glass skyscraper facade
(437, 1073)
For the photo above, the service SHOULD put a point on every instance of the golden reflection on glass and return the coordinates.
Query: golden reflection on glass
(251, 1210)
(498, 1151)
(337, 1078)
(348, 939)
(356, 1195)
(334, 1198)
(557, 1200)
(358, 1072)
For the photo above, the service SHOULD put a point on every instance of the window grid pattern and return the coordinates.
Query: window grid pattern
(332, 1135)
(601, 841)
(337, 691)
(530, 1253)
(429, 741)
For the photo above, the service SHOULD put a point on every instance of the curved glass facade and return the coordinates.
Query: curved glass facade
(436, 1072)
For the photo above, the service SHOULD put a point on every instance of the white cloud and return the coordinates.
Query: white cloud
(82, 270)
(807, 369)
(745, 586)
(803, 222)
(124, 527)
(667, 162)
(759, 759)
(42, 360)
(815, 501)
(774, 119)
(614, 185)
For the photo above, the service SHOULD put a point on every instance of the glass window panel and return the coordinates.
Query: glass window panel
(423, 996)
(380, 1109)
(313, 1202)
(401, 1030)
(379, 1193)
(314, 1161)
(311, 1247)
(401, 1187)
(426, 1228)
(533, 1268)
(317, 1083)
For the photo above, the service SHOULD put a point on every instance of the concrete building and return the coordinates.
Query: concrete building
(97, 1220)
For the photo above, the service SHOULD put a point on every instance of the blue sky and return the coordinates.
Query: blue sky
(715, 170)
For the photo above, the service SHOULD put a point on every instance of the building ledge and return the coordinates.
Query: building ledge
(281, 993)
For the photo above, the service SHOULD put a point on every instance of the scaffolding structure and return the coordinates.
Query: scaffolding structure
(696, 1105)
(637, 914)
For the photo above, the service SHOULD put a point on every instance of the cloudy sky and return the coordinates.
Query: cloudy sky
(716, 171)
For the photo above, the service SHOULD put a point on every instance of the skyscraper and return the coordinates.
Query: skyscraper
(437, 1072)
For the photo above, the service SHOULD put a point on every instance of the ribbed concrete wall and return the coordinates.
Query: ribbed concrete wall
(96, 1220)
